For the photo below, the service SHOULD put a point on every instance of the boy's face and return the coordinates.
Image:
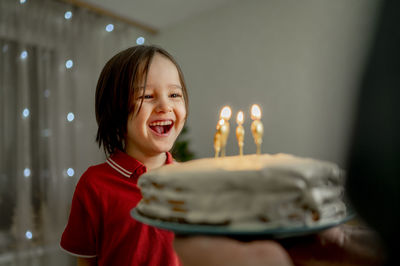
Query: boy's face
(161, 118)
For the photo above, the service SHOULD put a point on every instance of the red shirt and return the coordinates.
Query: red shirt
(100, 224)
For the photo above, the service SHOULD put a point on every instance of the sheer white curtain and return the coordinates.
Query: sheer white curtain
(49, 66)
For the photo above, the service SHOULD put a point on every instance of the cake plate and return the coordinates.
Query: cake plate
(244, 234)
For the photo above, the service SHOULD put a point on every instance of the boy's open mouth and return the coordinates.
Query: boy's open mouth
(162, 126)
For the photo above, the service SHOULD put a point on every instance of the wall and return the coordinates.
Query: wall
(300, 60)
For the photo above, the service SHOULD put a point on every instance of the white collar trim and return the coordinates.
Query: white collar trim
(119, 168)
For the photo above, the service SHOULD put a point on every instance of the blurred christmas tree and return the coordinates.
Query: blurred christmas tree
(181, 151)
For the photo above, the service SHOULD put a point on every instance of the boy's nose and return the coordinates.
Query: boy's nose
(164, 106)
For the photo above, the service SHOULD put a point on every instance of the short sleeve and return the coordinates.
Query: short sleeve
(80, 235)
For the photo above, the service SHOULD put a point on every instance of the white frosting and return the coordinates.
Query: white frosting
(263, 190)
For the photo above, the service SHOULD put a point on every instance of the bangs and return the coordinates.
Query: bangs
(139, 82)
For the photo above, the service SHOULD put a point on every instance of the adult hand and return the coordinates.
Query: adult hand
(213, 251)
(341, 245)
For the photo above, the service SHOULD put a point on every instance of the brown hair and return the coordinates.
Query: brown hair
(116, 91)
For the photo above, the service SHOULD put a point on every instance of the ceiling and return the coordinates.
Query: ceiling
(157, 14)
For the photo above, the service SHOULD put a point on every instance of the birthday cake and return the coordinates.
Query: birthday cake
(278, 190)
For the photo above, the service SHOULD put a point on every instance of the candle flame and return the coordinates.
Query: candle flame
(220, 123)
(240, 117)
(226, 113)
(255, 112)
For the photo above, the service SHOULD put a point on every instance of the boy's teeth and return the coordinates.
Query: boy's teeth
(161, 123)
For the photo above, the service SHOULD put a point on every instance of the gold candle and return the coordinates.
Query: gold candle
(257, 127)
(217, 138)
(225, 115)
(240, 131)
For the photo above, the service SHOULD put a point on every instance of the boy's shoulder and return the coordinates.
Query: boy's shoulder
(101, 168)
(95, 173)
(96, 169)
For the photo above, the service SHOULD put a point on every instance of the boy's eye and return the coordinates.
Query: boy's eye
(146, 96)
(175, 95)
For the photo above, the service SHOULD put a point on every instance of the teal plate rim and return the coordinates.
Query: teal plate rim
(222, 230)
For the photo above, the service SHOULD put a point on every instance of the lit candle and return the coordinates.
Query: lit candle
(240, 131)
(225, 115)
(257, 127)
(217, 138)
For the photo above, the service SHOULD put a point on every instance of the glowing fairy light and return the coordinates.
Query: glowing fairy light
(69, 63)
(46, 93)
(25, 113)
(70, 117)
(70, 172)
(24, 55)
(28, 235)
(27, 172)
(140, 41)
(109, 27)
(68, 15)
(46, 132)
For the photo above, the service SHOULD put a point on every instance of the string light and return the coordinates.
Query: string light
(69, 63)
(24, 55)
(28, 235)
(109, 27)
(68, 15)
(140, 41)
(46, 93)
(70, 117)
(46, 132)
(25, 113)
(70, 172)
(27, 172)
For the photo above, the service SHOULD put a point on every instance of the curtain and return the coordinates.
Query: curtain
(49, 64)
